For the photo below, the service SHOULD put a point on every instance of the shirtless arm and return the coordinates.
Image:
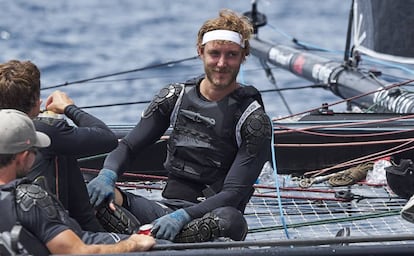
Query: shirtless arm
(67, 242)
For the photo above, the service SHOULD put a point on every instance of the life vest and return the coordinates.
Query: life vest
(25, 194)
(7, 201)
(205, 139)
(22, 241)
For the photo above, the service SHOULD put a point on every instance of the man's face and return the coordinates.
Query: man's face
(222, 62)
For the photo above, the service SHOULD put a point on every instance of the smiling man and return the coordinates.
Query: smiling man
(219, 143)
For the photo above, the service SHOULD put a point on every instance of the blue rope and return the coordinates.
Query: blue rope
(277, 184)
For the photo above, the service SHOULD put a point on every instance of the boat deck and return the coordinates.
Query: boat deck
(323, 212)
(320, 212)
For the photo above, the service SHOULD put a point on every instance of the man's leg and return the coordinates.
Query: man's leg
(79, 206)
(222, 222)
(117, 219)
(145, 210)
(128, 212)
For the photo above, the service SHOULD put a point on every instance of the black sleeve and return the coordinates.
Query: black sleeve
(243, 173)
(46, 219)
(42, 219)
(83, 119)
(90, 136)
(146, 132)
(154, 122)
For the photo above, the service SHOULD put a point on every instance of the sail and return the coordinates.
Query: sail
(383, 29)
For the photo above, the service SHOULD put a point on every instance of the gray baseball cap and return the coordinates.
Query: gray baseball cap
(18, 133)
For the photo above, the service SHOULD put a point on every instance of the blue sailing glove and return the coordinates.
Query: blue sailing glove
(168, 226)
(102, 187)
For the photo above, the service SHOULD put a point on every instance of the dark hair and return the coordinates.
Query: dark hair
(19, 85)
(6, 159)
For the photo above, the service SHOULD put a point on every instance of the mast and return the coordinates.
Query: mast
(342, 78)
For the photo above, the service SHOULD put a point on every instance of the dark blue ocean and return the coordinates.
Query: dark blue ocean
(77, 40)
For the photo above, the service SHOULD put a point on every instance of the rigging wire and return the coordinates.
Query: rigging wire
(148, 101)
(116, 104)
(347, 99)
(347, 124)
(123, 72)
(272, 80)
(363, 159)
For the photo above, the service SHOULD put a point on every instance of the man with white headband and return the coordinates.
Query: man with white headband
(220, 140)
(223, 35)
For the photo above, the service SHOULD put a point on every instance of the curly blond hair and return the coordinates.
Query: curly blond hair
(228, 20)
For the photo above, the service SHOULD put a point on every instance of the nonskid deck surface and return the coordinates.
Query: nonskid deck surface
(318, 212)
(360, 219)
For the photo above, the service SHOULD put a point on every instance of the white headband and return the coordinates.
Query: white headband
(227, 35)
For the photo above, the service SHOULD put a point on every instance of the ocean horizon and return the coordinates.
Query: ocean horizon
(81, 40)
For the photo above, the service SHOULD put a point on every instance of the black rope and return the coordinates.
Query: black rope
(272, 80)
(117, 104)
(325, 86)
(148, 101)
(122, 72)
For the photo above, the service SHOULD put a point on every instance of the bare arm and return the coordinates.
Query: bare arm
(67, 242)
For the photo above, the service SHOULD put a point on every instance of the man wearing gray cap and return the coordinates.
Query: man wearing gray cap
(19, 139)
(34, 208)
(20, 86)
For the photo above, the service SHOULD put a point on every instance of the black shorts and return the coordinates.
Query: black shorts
(146, 211)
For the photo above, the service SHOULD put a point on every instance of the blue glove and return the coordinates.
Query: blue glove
(102, 187)
(168, 226)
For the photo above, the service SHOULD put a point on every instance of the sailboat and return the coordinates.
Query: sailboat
(301, 210)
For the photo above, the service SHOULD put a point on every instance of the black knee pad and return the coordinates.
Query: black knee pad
(119, 221)
(232, 223)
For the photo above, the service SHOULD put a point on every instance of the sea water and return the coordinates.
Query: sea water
(76, 40)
